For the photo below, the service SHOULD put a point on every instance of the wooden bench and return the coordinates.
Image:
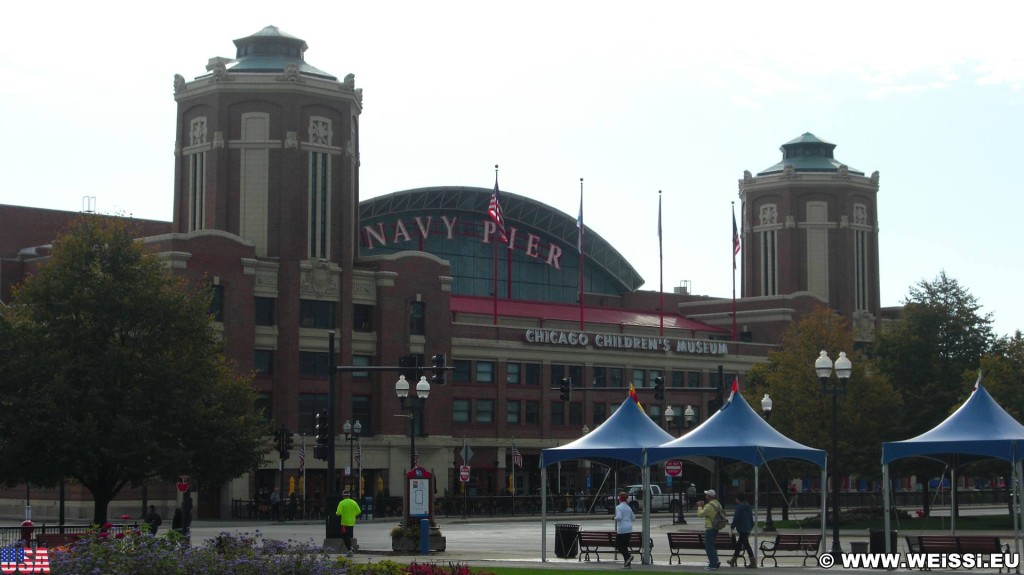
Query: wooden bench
(49, 540)
(680, 542)
(595, 541)
(806, 544)
(956, 544)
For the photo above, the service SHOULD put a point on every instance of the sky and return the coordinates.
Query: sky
(635, 98)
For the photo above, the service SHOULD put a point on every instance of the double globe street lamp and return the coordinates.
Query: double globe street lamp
(416, 405)
(843, 368)
(769, 523)
(686, 419)
(351, 436)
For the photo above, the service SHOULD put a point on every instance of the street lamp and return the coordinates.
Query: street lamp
(684, 419)
(416, 404)
(351, 436)
(843, 368)
(769, 523)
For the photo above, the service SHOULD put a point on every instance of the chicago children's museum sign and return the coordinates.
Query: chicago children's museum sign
(629, 342)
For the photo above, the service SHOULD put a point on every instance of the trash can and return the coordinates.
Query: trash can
(366, 507)
(876, 540)
(567, 543)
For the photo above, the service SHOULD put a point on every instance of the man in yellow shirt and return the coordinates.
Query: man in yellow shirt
(348, 510)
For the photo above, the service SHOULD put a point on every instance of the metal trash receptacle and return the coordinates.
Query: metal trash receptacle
(567, 543)
(876, 540)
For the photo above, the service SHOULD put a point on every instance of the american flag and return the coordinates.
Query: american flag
(517, 458)
(494, 210)
(735, 240)
(359, 455)
(302, 457)
(24, 560)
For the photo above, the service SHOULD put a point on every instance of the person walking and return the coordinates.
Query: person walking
(624, 518)
(691, 496)
(713, 515)
(348, 510)
(275, 505)
(153, 519)
(743, 523)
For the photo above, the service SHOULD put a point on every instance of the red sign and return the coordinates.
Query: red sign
(674, 467)
(182, 483)
(464, 473)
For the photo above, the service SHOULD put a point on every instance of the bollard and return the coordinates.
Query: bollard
(424, 536)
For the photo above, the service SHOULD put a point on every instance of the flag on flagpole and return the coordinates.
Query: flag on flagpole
(517, 458)
(494, 211)
(635, 397)
(302, 456)
(359, 456)
(735, 240)
(735, 389)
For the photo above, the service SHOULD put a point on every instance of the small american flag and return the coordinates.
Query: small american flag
(494, 210)
(517, 458)
(302, 457)
(359, 455)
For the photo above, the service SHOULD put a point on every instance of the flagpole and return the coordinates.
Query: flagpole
(512, 488)
(579, 248)
(495, 316)
(661, 275)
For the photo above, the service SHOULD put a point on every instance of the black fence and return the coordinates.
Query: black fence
(11, 536)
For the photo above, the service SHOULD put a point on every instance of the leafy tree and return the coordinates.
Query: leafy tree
(111, 373)
(802, 412)
(932, 349)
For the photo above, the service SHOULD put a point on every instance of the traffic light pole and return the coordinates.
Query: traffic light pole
(329, 490)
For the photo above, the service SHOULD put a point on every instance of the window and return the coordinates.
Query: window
(615, 377)
(693, 379)
(359, 360)
(557, 373)
(638, 377)
(532, 374)
(460, 411)
(263, 361)
(320, 133)
(485, 372)
(264, 311)
(362, 318)
(558, 413)
(264, 406)
(532, 413)
(362, 412)
(576, 413)
(309, 405)
(316, 314)
(462, 371)
(485, 411)
(417, 325)
(599, 377)
(512, 409)
(217, 303)
(576, 375)
(654, 412)
(512, 373)
(678, 379)
(313, 363)
(600, 413)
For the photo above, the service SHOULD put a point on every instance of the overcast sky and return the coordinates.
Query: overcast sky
(632, 97)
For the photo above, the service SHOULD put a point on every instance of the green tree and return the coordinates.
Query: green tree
(111, 373)
(932, 349)
(800, 409)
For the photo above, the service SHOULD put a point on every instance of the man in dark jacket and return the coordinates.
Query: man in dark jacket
(743, 523)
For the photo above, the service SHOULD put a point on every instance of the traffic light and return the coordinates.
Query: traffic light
(565, 389)
(323, 436)
(438, 362)
(289, 441)
(659, 388)
(283, 437)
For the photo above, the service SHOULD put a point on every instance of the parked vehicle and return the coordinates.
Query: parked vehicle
(661, 500)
